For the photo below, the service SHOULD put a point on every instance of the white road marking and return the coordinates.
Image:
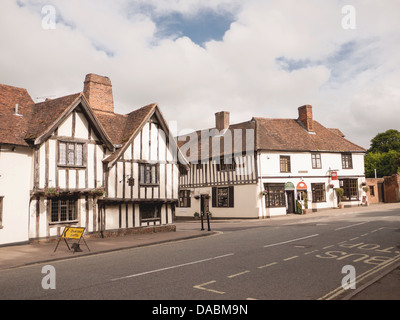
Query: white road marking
(267, 265)
(353, 225)
(290, 258)
(279, 243)
(238, 274)
(172, 267)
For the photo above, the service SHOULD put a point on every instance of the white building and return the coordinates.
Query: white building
(259, 168)
(73, 161)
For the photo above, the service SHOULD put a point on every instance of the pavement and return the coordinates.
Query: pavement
(384, 287)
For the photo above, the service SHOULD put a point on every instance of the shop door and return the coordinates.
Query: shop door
(290, 201)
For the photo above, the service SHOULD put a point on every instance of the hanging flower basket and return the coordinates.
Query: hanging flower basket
(51, 192)
(263, 193)
(100, 192)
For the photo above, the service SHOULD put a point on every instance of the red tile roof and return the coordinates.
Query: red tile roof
(36, 119)
(290, 135)
(44, 114)
(13, 127)
(287, 135)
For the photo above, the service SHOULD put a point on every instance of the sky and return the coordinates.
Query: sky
(253, 58)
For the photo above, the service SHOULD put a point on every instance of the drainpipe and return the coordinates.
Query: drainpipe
(263, 213)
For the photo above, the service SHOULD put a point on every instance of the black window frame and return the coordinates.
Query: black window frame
(350, 187)
(184, 199)
(223, 197)
(68, 203)
(150, 211)
(275, 195)
(149, 174)
(347, 161)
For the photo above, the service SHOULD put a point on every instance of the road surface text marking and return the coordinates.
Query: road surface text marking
(201, 287)
(379, 267)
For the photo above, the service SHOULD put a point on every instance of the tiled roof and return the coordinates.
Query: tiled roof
(45, 113)
(121, 127)
(13, 127)
(269, 135)
(290, 135)
(36, 119)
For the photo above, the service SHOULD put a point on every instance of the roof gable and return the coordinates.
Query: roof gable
(48, 115)
(131, 125)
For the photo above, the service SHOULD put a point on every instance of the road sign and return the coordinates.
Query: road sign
(75, 233)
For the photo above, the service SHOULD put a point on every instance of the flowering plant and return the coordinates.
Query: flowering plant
(50, 192)
(98, 191)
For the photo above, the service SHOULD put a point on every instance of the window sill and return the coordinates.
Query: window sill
(66, 166)
(63, 223)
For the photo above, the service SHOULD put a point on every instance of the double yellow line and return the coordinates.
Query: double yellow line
(361, 277)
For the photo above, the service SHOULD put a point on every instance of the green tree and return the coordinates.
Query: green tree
(386, 141)
(383, 155)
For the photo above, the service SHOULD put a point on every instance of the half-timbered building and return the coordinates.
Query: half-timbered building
(74, 161)
(261, 167)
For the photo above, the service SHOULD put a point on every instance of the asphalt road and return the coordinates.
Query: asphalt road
(277, 259)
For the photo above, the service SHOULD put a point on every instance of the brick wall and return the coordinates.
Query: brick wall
(373, 194)
(306, 117)
(98, 91)
(392, 188)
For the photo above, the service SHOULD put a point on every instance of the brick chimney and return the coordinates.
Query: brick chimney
(98, 91)
(222, 120)
(306, 117)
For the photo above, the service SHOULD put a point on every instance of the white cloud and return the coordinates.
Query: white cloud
(276, 56)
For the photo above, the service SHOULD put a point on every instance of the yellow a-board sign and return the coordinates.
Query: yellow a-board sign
(73, 233)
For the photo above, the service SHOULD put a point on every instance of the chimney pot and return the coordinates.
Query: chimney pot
(222, 120)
